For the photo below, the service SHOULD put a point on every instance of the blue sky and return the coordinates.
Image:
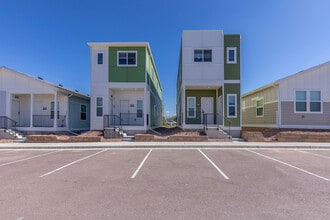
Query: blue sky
(48, 38)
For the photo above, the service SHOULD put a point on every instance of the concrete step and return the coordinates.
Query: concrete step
(214, 132)
(128, 138)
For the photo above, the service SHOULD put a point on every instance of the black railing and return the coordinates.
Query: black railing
(7, 123)
(216, 119)
(48, 121)
(124, 119)
(111, 121)
(131, 119)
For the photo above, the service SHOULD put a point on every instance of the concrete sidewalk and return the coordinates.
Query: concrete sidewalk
(233, 144)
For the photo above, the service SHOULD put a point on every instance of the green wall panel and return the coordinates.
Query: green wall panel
(232, 71)
(129, 73)
(233, 89)
(199, 94)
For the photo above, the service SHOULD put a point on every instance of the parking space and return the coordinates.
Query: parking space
(164, 183)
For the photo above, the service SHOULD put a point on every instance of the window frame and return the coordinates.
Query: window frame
(139, 114)
(127, 58)
(202, 59)
(194, 99)
(235, 55)
(99, 58)
(99, 106)
(228, 106)
(308, 101)
(260, 107)
(82, 112)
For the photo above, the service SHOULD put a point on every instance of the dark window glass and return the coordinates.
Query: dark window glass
(100, 58)
(207, 55)
(131, 58)
(198, 55)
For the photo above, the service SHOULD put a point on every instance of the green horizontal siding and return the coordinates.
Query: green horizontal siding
(199, 94)
(232, 71)
(230, 88)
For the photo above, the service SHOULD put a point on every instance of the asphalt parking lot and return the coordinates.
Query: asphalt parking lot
(154, 183)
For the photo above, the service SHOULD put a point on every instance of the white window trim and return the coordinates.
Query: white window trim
(263, 107)
(97, 58)
(235, 55)
(194, 98)
(232, 116)
(127, 51)
(83, 112)
(308, 101)
(99, 106)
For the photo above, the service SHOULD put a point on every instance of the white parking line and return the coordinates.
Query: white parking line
(76, 161)
(29, 158)
(215, 166)
(318, 155)
(279, 161)
(141, 164)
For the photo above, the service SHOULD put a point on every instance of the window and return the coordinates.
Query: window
(308, 101)
(100, 58)
(231, 106)
(52, 112)
(231, 55)
(301, 101)
(260, 108)
(315, 101)
(191, 107)
(202, 55)
(126, 58)
(99, 106)
(83, 112)
(139, 107)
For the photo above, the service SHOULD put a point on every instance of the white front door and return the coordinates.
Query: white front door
(124, 112)
(207, 108)
(15, 110)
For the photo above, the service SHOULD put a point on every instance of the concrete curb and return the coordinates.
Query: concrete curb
(234, 144)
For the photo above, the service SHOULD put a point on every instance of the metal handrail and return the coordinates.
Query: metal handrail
(107, 122)
(5, 121)
(218, 116)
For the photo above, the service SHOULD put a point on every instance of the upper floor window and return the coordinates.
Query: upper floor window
(202, 55)
(100, 58)
(231, 55)
(126, 58)
(308, 101)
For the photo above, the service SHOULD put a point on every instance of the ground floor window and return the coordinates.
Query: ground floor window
(83, 112)
(52, 110)
(139, 108)
(260, 108)
(99, 106)
(308, 101)
(231, 105)
(191, 101)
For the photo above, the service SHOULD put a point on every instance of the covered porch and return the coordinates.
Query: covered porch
(39, 112)
(127, 109)
(203, 107)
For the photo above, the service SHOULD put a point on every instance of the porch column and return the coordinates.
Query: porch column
(145, 112)
(31, 109)
(55, 110)
(183, 104)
